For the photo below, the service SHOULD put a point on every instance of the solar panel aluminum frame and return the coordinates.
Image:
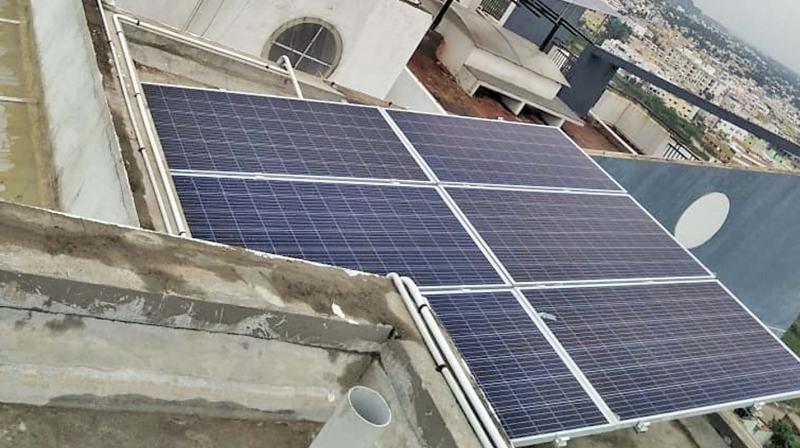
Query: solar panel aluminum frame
(509, 286)
(560, 351)
(476, 235)
(376, 182)
(693, 412)
(433, 180)
(510, 279)
(379, 109)
(431, 173)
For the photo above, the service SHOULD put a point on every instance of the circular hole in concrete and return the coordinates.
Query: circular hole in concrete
(370, 406)
(702, 220)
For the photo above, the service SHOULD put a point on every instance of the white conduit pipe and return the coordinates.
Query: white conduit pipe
(287, 64)
(441, 365)
(148, 166)
(137, 93)
(454, 364)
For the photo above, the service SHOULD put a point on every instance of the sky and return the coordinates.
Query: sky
(770, 25)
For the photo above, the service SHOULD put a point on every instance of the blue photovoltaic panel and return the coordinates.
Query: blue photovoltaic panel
(559, 237)
(655, 349)
(530, 389)
(374, 228)
(496, 152)
(221, 131)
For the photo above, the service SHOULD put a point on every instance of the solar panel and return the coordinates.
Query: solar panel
(543, 237)
(648, 350)
(656, 349)
(494, 152)
(530, 389)
(374, 228)
(221, 131)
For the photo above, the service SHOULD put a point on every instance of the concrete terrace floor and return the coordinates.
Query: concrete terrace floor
(35, 427)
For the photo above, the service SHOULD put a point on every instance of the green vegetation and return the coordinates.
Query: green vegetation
(792, 340)
(782, 435)
(792, 337)
(616, 29)
(686, 131)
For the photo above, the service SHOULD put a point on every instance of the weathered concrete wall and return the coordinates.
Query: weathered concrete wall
(103, 316)
(62, 359)
(88, 166)
(408, 92)
(633, 122)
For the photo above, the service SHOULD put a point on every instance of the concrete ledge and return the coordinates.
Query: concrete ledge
(85, 362)
(90, 172)
(77, 299)
(162, 279)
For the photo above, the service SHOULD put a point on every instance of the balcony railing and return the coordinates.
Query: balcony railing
(563, 58)
(495, 8)
(676, 151)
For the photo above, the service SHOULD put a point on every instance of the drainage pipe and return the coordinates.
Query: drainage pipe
(292, 75)
(137, 93)
(358, 421)
(441, 365)
(148, 166)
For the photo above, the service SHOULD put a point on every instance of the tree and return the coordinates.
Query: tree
(782, 435)
(617, 29)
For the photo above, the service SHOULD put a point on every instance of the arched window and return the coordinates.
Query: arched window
(312, 45)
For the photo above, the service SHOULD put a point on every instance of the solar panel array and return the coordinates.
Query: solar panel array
(556, 237)
(373, 228)
(528, 385)
(657, 349)
(495, 152)
(207, 130)
(478, 205)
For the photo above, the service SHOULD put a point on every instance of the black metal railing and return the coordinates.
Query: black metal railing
(495, 8)
(677, 151)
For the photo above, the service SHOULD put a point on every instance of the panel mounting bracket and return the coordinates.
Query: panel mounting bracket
(756, 407)
(641, 427)
(560, 442)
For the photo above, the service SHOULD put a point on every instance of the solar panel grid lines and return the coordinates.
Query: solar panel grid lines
(464, 232)
(214, 130)
(529, 388)
(558, 237)
(619, 186)
(373, 228)
(477, 151)
(656, 349)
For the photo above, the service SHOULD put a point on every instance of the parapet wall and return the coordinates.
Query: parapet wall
(90, 173)
(633, 122)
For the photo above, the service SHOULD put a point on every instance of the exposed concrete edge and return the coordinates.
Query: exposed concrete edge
(36, 292)
(428, 403)
(350, 308)
(60, 360)
(98, 142)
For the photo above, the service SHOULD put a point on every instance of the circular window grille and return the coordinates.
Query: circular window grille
(312, 46)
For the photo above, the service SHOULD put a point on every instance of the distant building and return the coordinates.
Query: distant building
(730, 131)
